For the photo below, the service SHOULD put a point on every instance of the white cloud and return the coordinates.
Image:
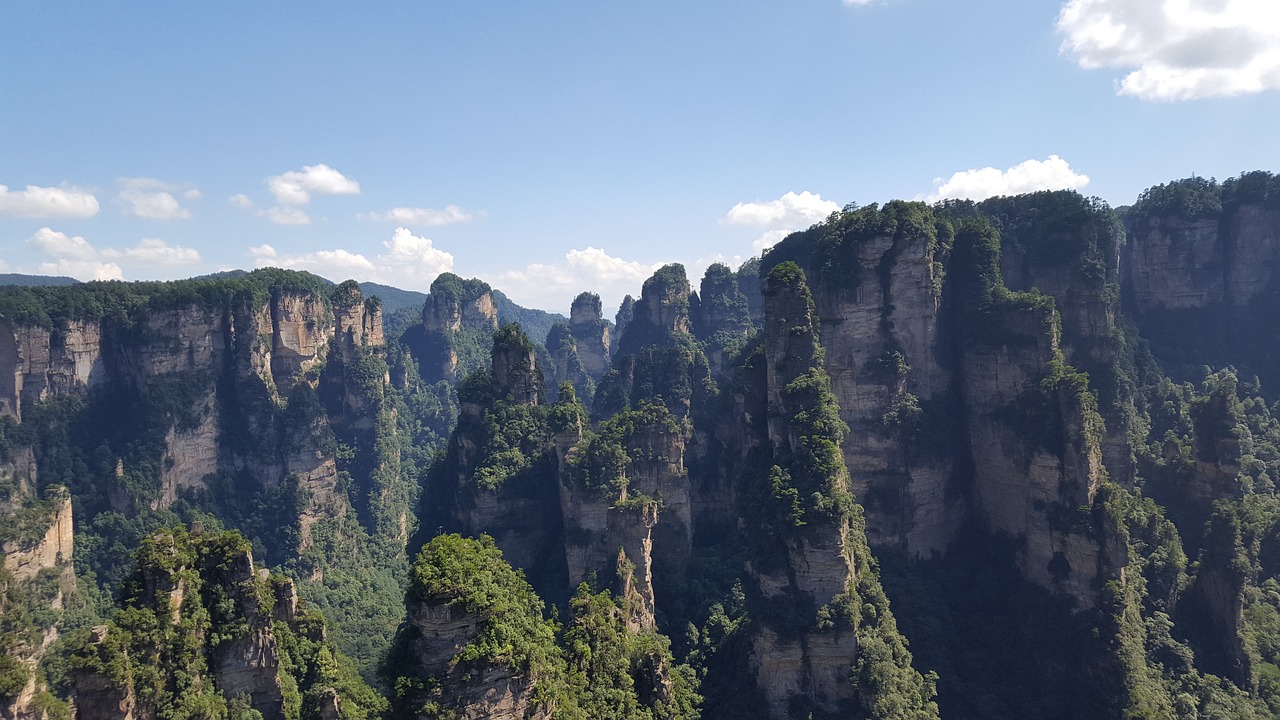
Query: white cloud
(857, 2)
(421, 216)
(410, 261)
(769, 239)
(154, 251)
(240, 200)
(333, 264)
(61, 245)
(791, 209)
(72, 255)
(553, 286)
(782, 217)
(296, 186)
(193, 194)
(152, 199)
(48, 202)
(82, 269)
(286, 216)
(1053, 173)
(413, 258)
(1177, 49)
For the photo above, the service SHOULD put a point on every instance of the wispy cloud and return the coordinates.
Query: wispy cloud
(421, 217)
(286, 215)
(153, 199)
(409, 261)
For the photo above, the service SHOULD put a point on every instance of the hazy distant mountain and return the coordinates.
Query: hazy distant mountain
(35, 280)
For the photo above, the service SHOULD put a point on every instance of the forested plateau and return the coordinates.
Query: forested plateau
(1015, 458)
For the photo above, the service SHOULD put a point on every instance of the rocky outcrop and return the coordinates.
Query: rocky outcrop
(1037, 460)
(658, 359)
(626, 313)
(215, 629)
(567, 363)
(454, 304)
(448, 614)
(1068, 247)
(590, 335)
(624, 497)
(23, 558)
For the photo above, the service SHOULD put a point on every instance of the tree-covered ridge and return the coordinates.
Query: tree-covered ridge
(1196, 197)
(54, 306)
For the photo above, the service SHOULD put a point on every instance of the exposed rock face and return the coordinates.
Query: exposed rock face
(626, 313)
(657, 358)
(481, 487)
(455, 308)
(566, 361)
(25, 561)
(192, 456)
(98, 697)
(924, 387)
(36, 363)
(454, 304)
(1224, 257)
(882, 332)
(444, 619)
(590, 335)
(1030, 489)
(516, 374)
(440, 632)
(817, 563)
(1068, 247)
(615, 525)
(53, 549)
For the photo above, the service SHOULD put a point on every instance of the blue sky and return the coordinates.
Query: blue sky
(555, 147)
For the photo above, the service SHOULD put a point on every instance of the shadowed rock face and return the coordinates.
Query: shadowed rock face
(1221, 258)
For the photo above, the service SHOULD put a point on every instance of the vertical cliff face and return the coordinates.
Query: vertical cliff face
(877, 286)
(657, 357)
(454, 304)
(817, 639)
(457, 316)
(1199, 273)
(499, 476)
(723, 317)
(1068, 247)
(36, 362)
(626, 313)
(590, 335)
(1034, 434)
(625, 500)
